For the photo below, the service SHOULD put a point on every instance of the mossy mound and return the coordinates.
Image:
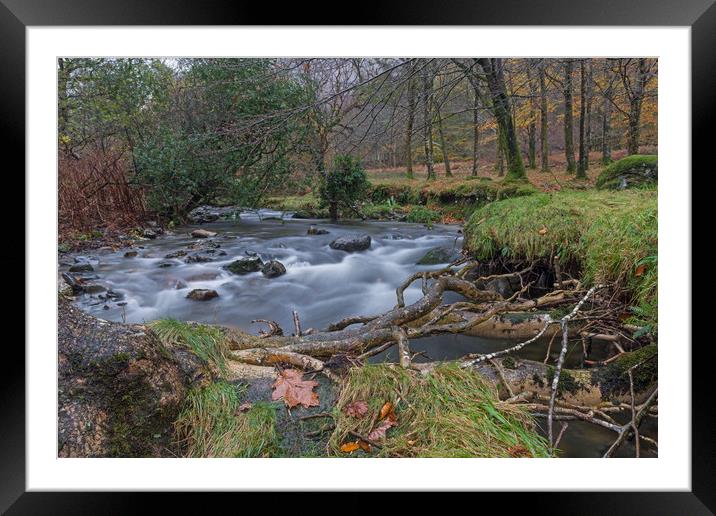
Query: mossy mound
(450, 412)
(606, 236)
(636, 171)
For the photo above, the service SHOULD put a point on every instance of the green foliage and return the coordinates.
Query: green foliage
(451, 412)
(202, 151)
(422, 215)
(611, 235)
(206, 342)
(345, 182)
(212, 425)
(633, 171)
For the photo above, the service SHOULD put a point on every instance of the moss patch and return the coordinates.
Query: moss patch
(631, 172)
(212, 425)
(451, 412)
(613, 378)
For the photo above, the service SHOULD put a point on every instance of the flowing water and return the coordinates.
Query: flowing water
(322, 284)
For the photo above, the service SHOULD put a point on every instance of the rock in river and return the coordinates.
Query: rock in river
(202, 233)
(438, 255)
(273, 269)
(82, 267)
(351, 243)
(313, 230)
(245, 265)
(202, 294)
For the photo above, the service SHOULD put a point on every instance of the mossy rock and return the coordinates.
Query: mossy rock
(119, 388)
(635, 171)
(439, 255)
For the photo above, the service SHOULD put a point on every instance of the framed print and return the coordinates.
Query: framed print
(414, 253)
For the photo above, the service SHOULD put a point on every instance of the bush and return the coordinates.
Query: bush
(422, 215)
(345, 183)
(633, 171)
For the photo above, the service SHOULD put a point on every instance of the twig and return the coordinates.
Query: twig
(363, 438)
(560, 361)
(500, 372)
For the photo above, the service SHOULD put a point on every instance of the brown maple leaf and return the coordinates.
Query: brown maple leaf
(379, 431)
(350, 447)
(294, 390)
(356, 409)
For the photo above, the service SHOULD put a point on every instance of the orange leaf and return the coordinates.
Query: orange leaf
(364, 446)
(543, 231)
(518, 451)
(294, 390)
(245, 407)
(349, 447)
(640, 270)
(386, 409)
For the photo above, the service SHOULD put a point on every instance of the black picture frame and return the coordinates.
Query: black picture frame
(17, 15)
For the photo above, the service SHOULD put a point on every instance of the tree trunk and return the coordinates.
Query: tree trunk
(544, 130)
(443, 145)
(532, 127)
(568, 117)
(476, 132)
(501, 107)
(590, 93)
(582, 167)
(635, 102)
(606, 127)
(333, 210)
(427, 121)
(409, 128)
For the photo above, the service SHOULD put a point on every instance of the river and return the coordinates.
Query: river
(322, 284)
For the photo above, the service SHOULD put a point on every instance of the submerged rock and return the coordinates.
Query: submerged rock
(119, 389)
(164, 265)
(273, 269)
(245, 265)
(130, 254)
(351, 243)
(313, 230)
(203, 233)
(202, 294)
(82, 267)
(438, 255)
(175, 254)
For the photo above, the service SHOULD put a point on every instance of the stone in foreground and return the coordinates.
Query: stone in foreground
(351, 243)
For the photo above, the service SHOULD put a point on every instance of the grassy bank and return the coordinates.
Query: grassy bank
(444, 200)
(610, 236)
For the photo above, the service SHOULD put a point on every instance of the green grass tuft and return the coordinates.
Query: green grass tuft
(609, 234)
(206, 342)
(451, 412)
(211, 424)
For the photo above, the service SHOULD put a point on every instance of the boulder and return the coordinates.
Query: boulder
(631, 172)
(203, 233)
(351, 243)
(198, 258)
(202, 294)
(119, 389)
(438, 255)
(273, 269)
(313, 230)
(203, 214)
(245, 265)
(149, 233)
(130, 254)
